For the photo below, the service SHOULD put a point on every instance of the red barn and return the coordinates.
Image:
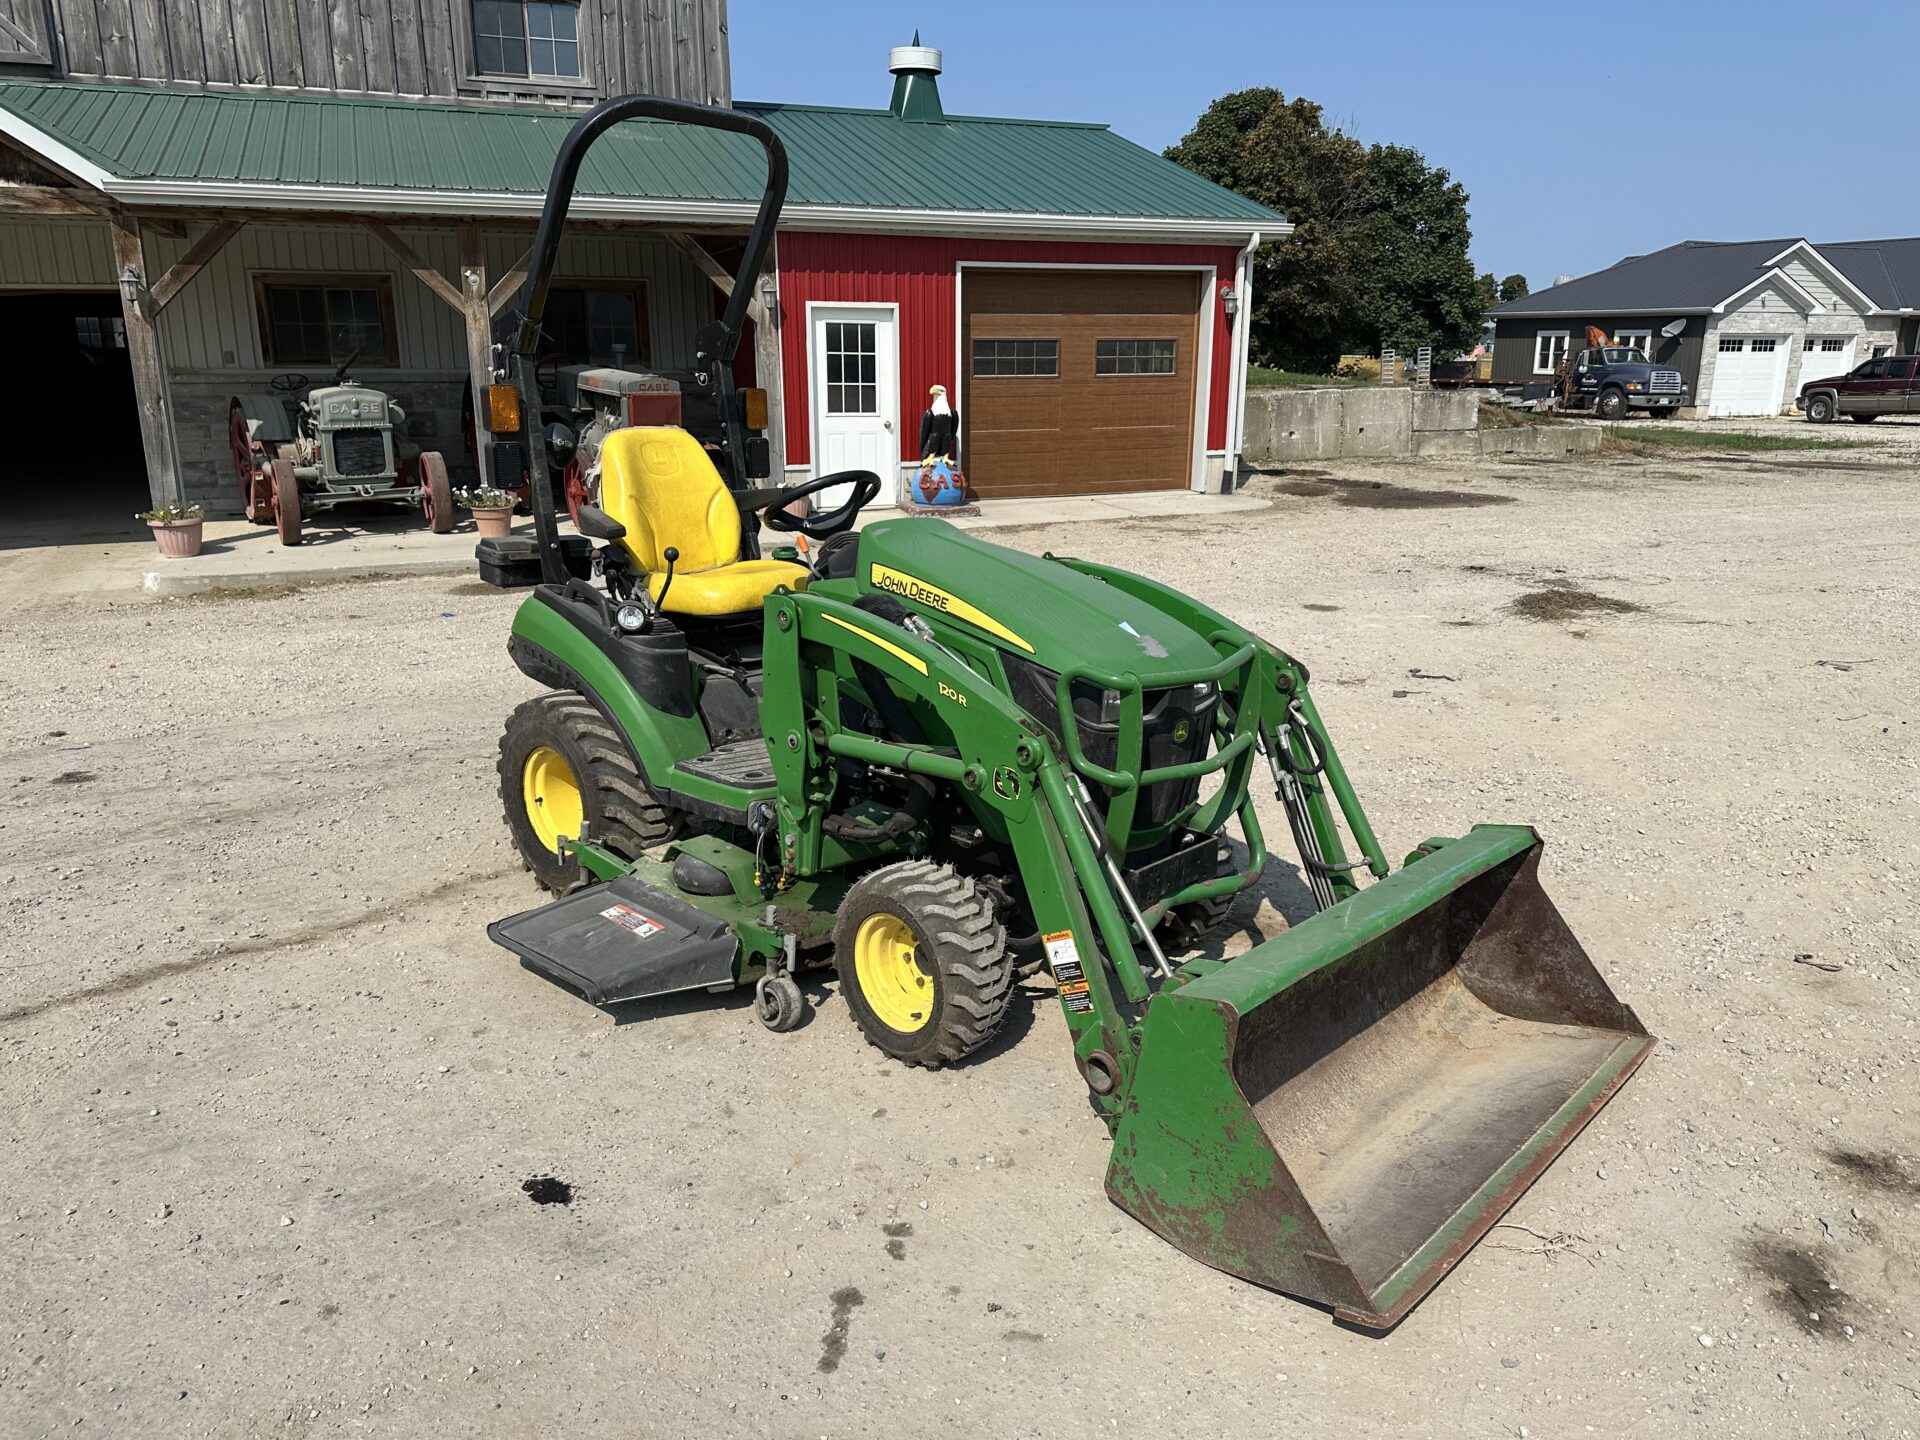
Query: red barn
(1075, 293)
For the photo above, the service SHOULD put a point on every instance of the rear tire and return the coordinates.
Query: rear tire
(1820, 409)
(923, 962)
(556, 737)
(1863, 419)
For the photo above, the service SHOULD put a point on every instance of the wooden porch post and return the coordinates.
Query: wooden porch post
(150, 388)
(468, 300)
(479, 318)
(767, 370)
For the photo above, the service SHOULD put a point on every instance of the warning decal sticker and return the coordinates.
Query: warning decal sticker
(1063, 956)
(629, 918)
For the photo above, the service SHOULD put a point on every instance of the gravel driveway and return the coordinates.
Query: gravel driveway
(272, 1096)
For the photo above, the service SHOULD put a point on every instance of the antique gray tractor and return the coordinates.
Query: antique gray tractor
(336, 447)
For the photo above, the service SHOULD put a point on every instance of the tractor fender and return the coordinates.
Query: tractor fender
(267, 419)
(643, 684)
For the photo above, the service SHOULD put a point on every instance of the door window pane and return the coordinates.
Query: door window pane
(853, 374)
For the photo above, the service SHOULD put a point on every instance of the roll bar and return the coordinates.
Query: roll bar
(714, 346)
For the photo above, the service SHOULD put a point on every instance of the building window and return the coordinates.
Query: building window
(100, 332)
(1016, 357)
(1762, 346)
(1732, 345)
(326, 320)
(536, 38)
(853, 374)
(1880, 350)
(1549, 349)
(1641, 340)
(1133, 357)
(597, 325)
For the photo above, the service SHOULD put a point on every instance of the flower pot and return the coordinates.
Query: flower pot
(177, 539)
(493, 523)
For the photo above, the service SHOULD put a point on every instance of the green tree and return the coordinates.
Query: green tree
(1379, 250)
(1486, 290)
(1514, 287)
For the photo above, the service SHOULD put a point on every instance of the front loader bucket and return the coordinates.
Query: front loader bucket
(1344, 1110)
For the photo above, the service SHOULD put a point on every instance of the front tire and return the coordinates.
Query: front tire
(286, 502)
(1612, 405)
(436, 494)
(564, 770)
(923, 962)
(1820, 409)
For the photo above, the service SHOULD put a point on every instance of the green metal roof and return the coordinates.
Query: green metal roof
(152, 142)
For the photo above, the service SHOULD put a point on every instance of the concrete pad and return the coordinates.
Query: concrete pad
(238, 555)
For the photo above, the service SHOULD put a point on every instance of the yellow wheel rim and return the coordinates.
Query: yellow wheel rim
(896, 988)
(552, 797)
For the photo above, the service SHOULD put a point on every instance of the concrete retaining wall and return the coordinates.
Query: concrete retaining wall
(1285, 426)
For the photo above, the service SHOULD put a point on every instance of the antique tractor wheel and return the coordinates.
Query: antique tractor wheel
(249, 468)
(286, 501)
(436, 495)
(574, 490)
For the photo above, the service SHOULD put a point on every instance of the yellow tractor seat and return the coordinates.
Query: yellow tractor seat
(659, 483)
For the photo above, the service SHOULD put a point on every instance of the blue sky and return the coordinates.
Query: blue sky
(1580, 135)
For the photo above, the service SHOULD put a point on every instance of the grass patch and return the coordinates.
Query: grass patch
(1652, 441)
(1266, 377)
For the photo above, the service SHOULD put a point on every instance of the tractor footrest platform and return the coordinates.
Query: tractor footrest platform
(744, 764)
(621, 940)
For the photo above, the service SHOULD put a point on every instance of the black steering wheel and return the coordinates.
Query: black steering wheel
(287, 384)
(828, 523)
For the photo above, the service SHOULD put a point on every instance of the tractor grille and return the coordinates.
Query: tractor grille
(1176, 727)
(360, 452)
(1664, 382)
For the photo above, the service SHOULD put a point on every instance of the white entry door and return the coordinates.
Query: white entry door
(1749, 375)
(856, 396)
(1826, 356)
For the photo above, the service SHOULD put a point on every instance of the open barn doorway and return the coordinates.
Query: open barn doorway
(71, 469)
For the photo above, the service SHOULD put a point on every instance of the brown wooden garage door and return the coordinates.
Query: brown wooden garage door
(1078, 381)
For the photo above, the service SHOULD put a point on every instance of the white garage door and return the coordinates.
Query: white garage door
(1749, 375)
(1826, 356)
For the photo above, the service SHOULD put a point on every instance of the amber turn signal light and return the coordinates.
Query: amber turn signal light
(503, 409)
(755, 408)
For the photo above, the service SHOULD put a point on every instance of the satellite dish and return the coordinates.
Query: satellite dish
(1673, 328)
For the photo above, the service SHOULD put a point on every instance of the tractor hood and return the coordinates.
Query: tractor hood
(1024, 604)
(348, 403)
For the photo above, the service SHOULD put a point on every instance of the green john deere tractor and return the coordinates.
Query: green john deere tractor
(937, 764)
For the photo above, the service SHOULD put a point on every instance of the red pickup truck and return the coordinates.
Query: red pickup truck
(1883, 386)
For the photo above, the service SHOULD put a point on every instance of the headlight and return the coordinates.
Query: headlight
(630, 618)
(1635, 385)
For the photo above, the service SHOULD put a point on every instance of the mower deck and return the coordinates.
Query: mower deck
(622, 940)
